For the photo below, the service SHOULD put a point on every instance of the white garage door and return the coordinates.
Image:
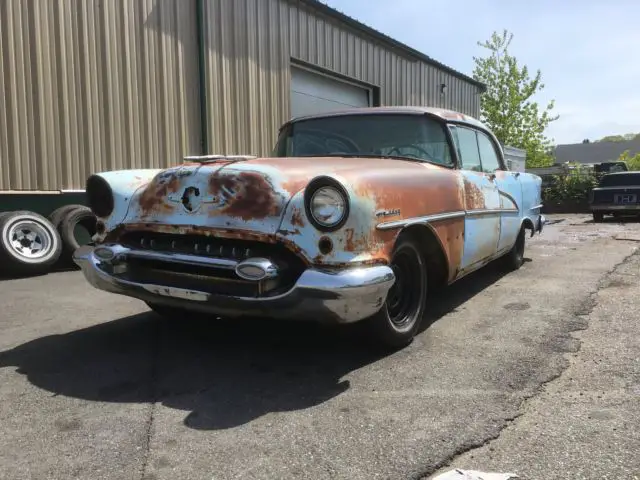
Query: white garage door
(314, 93)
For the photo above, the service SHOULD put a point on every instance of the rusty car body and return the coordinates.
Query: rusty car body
(351, 218)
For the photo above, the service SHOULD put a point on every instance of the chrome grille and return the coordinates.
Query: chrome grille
(210, 279)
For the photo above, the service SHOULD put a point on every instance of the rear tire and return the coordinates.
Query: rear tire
(515, 258)
(598, 217)
(398, 321)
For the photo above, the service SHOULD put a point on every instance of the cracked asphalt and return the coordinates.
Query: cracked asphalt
(536, 372)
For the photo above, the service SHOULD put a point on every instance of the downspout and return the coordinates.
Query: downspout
(202, 77)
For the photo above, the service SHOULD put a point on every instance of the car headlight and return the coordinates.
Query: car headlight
(327, 204)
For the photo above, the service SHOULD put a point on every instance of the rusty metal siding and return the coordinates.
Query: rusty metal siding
(94, 85)
(251, 45)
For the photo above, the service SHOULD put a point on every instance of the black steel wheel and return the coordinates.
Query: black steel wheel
(396, 324)
(514, 259)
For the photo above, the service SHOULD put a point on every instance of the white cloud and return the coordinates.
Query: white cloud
(584, 48)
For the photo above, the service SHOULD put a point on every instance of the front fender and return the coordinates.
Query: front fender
(124, 184)
(356, 242)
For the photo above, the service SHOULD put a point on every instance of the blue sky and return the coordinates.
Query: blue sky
(588, 50)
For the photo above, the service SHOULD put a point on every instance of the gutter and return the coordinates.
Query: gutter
(202, 77)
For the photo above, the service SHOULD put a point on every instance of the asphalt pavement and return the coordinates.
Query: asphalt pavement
(535, 372)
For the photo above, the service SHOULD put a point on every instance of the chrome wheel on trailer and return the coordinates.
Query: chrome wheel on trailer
(29, 240)
(28, 243)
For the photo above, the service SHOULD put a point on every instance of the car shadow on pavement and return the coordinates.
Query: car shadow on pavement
(224, 373)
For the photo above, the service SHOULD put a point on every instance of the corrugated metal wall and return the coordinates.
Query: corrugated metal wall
(91, 85)
(94, 85)
(249, 46)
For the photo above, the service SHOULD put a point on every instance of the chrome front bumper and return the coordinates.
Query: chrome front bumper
(343, 296)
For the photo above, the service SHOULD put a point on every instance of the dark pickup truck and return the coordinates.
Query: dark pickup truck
(617, 194)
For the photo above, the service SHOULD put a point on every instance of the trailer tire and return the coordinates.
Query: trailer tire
(79, 216)
(56, 216)
(29, 243)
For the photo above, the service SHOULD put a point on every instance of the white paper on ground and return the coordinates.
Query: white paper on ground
(459, 474)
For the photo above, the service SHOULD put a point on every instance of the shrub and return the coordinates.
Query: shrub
(574, 186)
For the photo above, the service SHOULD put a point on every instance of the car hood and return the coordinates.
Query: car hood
(252, 195)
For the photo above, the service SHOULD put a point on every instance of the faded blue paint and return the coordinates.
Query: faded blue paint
(208, 208)
(123, 183)
(509, 185)
(353, 242)
(481, 232)
(531, 196)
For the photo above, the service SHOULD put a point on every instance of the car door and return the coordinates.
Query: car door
(482, 201)
(509, 190)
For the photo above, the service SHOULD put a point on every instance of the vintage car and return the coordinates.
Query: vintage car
(617, 194)
(353, 217)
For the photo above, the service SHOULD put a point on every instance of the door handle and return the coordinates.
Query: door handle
(492, 177)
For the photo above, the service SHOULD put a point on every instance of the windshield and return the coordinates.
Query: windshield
(415, 137)
(620, 180)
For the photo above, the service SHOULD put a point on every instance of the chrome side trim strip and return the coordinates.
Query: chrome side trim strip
(443, 216)
(490, 211)
(507, 195)
(426, 219)
(537, 207)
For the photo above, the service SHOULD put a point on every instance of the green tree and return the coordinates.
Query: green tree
(507, 106)
(632, 162)
(620, 138)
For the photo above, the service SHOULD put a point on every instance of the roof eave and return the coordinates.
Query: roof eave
(352, 22)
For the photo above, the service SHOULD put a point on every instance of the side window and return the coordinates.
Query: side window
(467, 146)
(488, 155)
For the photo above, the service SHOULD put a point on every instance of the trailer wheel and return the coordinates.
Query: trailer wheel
(76, 227)
(29, 243)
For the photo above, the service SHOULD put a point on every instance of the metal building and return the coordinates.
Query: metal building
(93, 85)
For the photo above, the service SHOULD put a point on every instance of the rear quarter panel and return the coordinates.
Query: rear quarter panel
(531, 196)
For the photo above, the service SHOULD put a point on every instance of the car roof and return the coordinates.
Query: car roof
(443, 113)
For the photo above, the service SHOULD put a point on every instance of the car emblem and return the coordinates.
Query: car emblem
(192, 199)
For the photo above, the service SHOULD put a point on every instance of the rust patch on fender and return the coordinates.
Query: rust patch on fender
(356, 243)
(473, 197)
(451, 235)
(249, 194)
(296, 218)
(154, 195)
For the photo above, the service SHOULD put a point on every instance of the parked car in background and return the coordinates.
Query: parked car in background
(617, 194)
(353, 218)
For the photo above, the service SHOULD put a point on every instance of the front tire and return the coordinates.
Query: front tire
(398, 321)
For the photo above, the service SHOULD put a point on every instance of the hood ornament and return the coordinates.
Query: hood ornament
(191, 199)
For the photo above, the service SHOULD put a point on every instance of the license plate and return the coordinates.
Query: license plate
(624, 198)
